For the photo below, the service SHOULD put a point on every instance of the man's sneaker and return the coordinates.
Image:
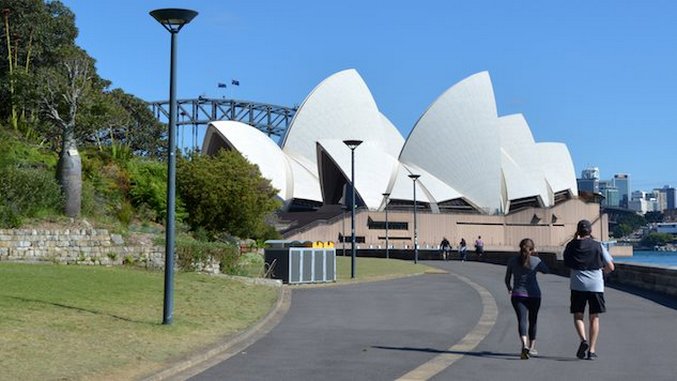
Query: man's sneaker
(580, 353)
(525, 354)
(533, 352)
(592, 356)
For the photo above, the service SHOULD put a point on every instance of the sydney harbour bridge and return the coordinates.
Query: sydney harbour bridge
(193, 116)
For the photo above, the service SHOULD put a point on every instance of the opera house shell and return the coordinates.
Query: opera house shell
(470, 159)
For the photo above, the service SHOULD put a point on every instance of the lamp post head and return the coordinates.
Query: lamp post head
(352, 144)
(173, 19)
(414, 177)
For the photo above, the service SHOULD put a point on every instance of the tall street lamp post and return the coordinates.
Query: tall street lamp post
(414, 178)
(352, 144)
(386, 195)
(173, 20)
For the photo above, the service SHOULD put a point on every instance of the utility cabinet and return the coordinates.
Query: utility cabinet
(297, 265)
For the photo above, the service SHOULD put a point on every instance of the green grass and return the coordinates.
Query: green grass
(80, 322)
(375, 268)
(71, 322)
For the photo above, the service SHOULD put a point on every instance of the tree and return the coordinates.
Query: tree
(654, 216)
(119, 120)
(656, 239)
(33, 33)
(225, 194)
(63, 90)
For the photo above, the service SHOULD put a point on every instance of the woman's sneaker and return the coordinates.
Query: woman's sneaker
(592, 356)
(525, 354)
(580, 353)
(533, 352)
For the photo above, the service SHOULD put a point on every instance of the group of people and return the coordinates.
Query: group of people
(446, 248)
(587, 260)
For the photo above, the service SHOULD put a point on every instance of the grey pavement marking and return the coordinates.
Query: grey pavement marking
(468, 343)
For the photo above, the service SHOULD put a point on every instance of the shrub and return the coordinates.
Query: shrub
(226, 194)
(148, 188)
(9, 217)
(27, 193)
(251, 264)
(194, 254)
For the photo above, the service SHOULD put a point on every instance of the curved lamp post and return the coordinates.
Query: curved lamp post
(352, 144)
(414, 178)
(386, 195)
(173, 20)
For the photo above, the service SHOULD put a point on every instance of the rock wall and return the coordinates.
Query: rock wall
(76, 246)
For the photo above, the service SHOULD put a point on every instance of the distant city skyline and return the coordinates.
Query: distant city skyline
(597, 76)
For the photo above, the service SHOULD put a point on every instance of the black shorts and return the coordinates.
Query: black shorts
(595, 301)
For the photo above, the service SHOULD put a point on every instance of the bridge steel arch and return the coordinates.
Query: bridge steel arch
(271, 119)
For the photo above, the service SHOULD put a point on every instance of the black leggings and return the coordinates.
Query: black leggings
(526, 307)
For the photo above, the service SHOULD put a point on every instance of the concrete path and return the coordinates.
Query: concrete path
(455, 326)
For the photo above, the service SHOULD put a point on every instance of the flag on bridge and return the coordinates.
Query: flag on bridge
(235, 82)
(222, 85)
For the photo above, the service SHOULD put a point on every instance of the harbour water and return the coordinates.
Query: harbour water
(652, 258)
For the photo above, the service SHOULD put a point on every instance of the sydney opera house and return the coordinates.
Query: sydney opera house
(480, 173)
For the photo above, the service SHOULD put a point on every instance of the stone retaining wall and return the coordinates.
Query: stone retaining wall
(658, 279)
(76, 246)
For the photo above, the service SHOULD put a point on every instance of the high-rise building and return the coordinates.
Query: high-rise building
(661, 198)
(622, 183)
(666, 197)
(610, 194)
(643, 202)
(671, 197)
(589, 181)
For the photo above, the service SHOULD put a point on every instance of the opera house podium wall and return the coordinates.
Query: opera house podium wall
(550, 228)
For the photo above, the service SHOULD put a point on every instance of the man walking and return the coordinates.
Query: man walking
(587, 260)
(445, 246)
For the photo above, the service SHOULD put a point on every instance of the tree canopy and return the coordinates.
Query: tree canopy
(226, 194)
(36, 58)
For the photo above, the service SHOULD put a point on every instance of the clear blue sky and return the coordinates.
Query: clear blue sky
(599, 76)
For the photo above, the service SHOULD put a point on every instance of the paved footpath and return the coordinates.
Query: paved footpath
(454, 326)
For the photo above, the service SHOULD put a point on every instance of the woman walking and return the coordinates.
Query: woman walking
(525, 295)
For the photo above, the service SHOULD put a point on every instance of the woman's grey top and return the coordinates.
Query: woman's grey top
(524, 278)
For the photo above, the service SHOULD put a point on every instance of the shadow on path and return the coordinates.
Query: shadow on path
(484, 354)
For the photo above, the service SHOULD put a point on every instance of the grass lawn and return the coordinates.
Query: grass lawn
(89, 323)
(78, 322)
(370, 268)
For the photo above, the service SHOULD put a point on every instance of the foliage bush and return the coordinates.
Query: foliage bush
(109, 181)
(148, 189)
(226, 194)
(194, 254)
(16, 152)
(27, 193)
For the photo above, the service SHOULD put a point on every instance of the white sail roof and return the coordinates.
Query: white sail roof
(460, 146)
(457, 141)
(558, 167)
(257, 148)
(523, 173)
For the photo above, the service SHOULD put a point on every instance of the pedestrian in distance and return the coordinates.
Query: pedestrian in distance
(525, 294)
(479, 247)
(445, 247)
(587, 260)
(462, 249)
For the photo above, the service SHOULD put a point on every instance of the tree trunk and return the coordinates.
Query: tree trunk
(69, 175)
